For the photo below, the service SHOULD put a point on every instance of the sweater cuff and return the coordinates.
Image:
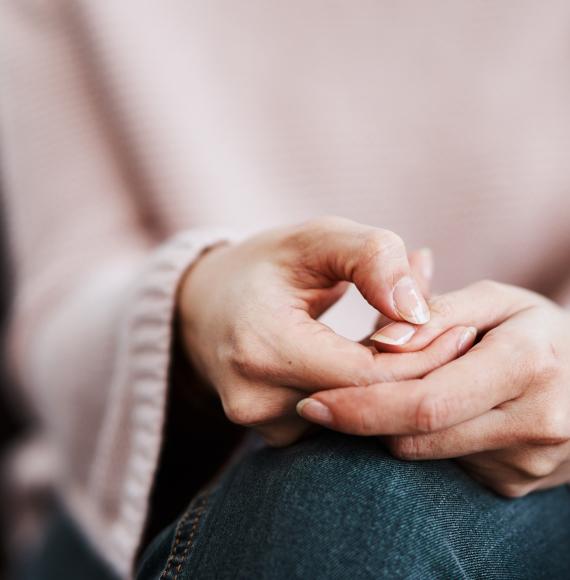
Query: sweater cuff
(128, 453)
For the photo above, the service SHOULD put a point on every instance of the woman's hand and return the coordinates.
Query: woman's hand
(503, 408)
(249, 313)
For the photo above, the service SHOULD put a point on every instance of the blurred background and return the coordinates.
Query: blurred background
(11, 422)
(16, 430)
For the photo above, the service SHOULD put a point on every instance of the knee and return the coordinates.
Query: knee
(342, 469)
(354, 486)
(344, 503)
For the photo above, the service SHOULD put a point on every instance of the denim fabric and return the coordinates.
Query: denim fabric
(335, 506)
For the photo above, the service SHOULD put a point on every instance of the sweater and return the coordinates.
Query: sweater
(135, 134)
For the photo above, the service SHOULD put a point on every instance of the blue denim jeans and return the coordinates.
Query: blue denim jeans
(335, 506)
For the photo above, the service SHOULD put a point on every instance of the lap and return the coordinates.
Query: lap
(335, 506)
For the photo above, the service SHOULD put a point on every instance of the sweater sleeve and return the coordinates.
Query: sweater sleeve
(95, 286)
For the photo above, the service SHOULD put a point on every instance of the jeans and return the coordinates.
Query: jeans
(340, 507)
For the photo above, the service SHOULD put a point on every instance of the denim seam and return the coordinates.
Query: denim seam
(181, 546)
(177, 538)
(197, 517)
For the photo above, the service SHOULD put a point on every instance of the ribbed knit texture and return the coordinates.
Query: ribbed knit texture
(137, 400)
(125, 123)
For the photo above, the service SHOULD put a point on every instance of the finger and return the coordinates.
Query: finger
(250, 403)
(461, 390)
(267, 408)
(312, 357)
(284, 431)
(518, 471)
(275, 418)
(530, 422)
(414, 365)
(375, 260)
(422, 265)
(322, 299)
(490, 431)
(390, 335)
(559, 477)
(483, 305)
(499, 478)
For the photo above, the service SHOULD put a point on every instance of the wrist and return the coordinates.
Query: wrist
(198, 274)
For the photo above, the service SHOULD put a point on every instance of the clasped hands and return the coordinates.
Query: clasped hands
(480, 374)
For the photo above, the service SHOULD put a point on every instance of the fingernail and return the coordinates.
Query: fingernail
(315, 411)
(395, 333)
(426, 263)
(466, 338)
(409, 302)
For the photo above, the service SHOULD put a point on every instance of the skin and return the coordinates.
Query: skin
(502, 409)
(248, 319)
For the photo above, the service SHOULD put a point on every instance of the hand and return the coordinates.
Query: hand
(249, 311)
(503, 408)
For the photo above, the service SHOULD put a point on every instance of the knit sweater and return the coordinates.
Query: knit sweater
(137, 133)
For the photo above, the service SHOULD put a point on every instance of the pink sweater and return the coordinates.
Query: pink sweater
(134, 132)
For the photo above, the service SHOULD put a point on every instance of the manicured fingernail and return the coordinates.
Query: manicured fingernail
(466, 339)
(409, 302)
(315, 411)
(426, 263)
(395, 333)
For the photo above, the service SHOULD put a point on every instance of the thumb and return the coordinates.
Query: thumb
(377, 408)
(482, 305)
(375, 260)
(422, 263)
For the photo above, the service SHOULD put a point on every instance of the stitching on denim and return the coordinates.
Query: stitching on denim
(197, 517)
(177, 538)
(191, 517)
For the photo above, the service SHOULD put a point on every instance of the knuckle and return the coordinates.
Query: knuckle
(245, 410)
(324, 223)
(364, 422)
(506, 294)
(380, 247)
(491, 287)
(512, 490)
(406, 448)
(442, 306)
(433, 359)
(246, 358)
(277, 439)
(520, 353)
(536, 466)
(381, 243)
(303, 238)
(282, 431)
(433, 413)
(552, 427)
(236, 412)
(545, 362)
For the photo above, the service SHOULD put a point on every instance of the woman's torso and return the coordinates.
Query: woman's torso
(448, 123)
